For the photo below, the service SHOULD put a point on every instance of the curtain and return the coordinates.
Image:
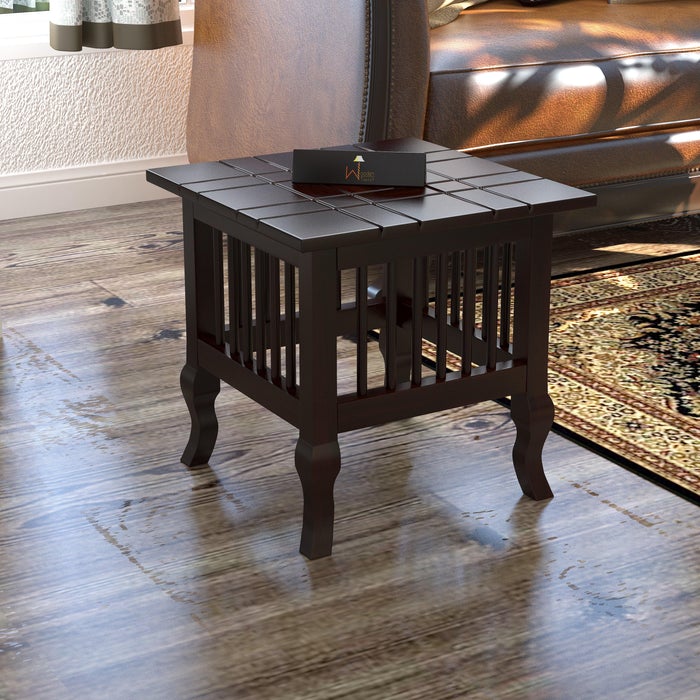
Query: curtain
(7, 6)
(124, 24)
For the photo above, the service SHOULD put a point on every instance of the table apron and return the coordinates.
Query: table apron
(417, 246)
(383, 250)
(380, 406)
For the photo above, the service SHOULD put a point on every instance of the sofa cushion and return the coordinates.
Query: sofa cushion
(500, 73)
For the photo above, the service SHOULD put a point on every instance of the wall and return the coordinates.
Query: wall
(79, 129)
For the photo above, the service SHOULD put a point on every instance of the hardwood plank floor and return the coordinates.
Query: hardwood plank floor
(125, 575)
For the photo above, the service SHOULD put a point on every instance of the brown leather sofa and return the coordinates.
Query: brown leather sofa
(597, 95)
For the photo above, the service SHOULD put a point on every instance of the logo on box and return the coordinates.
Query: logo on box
(358, 173)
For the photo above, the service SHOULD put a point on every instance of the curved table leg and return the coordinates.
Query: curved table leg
(200, 389)
(317, 455)
(317, 466)
(533, 418)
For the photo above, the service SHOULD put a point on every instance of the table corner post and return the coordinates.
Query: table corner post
(317, 454)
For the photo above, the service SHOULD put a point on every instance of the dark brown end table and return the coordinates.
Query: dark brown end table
(466, 266)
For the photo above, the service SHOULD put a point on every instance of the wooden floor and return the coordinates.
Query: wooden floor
(124, 575)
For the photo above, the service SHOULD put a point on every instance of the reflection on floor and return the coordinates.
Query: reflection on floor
(126, 575)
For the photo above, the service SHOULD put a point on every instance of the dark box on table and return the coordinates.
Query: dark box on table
(381, 168)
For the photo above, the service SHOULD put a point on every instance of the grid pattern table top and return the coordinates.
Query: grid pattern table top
(460, 190)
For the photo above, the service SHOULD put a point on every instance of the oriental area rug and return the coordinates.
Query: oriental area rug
(625, 366)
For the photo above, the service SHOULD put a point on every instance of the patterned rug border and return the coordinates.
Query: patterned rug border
(623, 462)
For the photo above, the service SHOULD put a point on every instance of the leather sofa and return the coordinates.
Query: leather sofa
(601, 96)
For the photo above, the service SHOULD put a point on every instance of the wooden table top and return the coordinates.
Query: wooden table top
(461, 190)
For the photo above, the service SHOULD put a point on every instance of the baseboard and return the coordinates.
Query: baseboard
(68, 189)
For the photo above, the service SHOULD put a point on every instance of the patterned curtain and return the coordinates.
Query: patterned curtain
(7, 6)
(124, 24)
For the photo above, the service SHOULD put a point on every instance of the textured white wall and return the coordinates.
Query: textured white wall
(88, 108)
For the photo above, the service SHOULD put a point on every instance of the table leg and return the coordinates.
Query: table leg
(317, 466)
(203, 282)
(533, 417)
(532, 411)
(317, 455)
(200, 389)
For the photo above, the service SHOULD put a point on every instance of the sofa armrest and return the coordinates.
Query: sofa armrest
(272, 75)
(400, 57)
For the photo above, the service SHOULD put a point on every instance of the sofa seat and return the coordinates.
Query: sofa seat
(523, 85)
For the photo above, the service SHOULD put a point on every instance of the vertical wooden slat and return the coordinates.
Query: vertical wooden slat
(490, 309)
(362, 330)
(246, 307)
(274, 340)
(506, 294)
(468, 312)
(234, 296)
(419, 304)
(485, 266)
(454, 289)
(261, 310)
(290, 305)
(441, 316)
(390, 330)
(426, 283)
(430, 287)
(218, 282)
